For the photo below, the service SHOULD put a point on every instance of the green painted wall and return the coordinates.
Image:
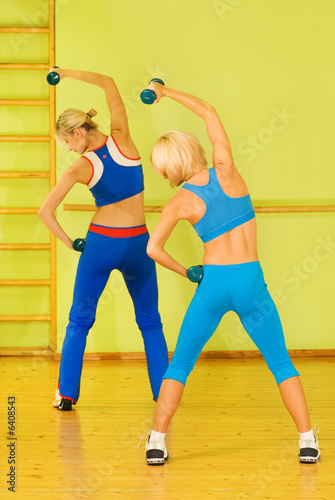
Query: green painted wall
(267, 68)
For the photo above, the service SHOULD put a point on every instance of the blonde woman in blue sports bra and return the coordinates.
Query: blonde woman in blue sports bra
(216, 202)
(117, 236)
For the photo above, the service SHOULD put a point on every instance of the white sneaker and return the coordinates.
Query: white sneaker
(62, 404)
(155, 453)
(309, 451)
(57, 401)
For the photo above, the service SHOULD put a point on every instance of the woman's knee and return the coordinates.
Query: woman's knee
(283, 371)
(149, 321)
(80, 320)
(179, 370)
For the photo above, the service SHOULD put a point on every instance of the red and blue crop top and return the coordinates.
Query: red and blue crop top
(223, 213)
(114, 176)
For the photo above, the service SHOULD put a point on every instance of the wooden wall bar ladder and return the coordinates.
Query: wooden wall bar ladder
(51, 174)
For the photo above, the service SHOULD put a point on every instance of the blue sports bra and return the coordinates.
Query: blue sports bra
(114, 176)
(223, 213)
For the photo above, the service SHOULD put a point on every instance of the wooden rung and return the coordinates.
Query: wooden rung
(25, 282)
(24, 175)
(91, 208)
(25, 246)
(24, 66)
(79, 208)
(278, 209)
(24, 102)
(18, 318)
(297, 208)
(23, 29)
(24, 138)
(26, 210)
(153, 208)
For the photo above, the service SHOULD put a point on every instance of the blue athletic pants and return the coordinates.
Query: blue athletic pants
(239, 288)
(101, 255)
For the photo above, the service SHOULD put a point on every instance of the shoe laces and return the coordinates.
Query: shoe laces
(146, 434)
(315, 429)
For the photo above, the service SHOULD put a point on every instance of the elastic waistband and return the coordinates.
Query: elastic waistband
(232, 267)
(118, 232)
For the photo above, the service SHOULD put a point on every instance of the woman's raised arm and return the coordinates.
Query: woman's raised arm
(222, 152)
(119, 120)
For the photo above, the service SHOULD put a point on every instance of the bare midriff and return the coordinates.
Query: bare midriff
(125, 213)
(234, 247)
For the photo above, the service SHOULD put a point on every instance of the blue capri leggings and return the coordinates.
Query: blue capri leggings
(101, 255)
(239, 288)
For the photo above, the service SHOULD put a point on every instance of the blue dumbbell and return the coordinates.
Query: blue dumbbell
(195, 273)
(79, 244)
(53, 77)
(148, 96)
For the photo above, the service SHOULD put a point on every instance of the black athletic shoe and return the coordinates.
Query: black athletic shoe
(62, 404)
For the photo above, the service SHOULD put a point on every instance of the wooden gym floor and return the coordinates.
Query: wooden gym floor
(230, 439)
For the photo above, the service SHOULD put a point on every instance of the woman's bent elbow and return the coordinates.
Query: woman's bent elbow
(42, 213)
(151, 251)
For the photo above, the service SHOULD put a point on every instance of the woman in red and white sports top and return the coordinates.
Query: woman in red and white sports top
(117, 236)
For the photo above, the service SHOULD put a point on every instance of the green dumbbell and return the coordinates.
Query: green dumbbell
(53, 77)
(79, 244)
(148, 96)
(195, 273)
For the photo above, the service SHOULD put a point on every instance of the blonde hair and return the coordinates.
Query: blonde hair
(177, 156)
(71, 119)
